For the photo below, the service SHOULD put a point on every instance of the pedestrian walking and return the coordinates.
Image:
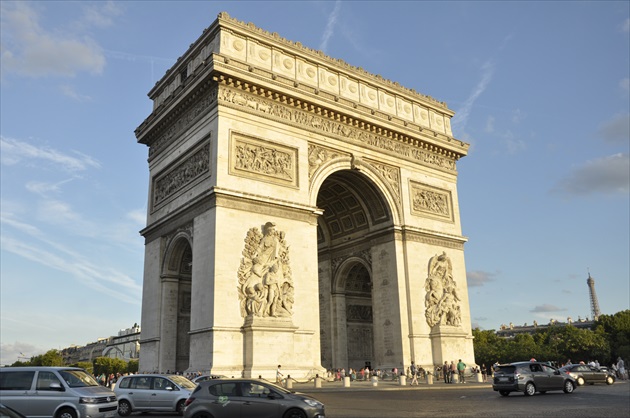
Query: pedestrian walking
(414, 374)
(461, 371)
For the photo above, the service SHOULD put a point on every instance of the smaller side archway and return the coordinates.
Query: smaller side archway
(353, 339)
(176, 284)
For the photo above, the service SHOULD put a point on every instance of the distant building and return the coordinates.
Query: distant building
(508, 331)
(125, 346)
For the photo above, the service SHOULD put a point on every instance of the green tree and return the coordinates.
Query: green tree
(132, 366)
(616, 330)
(50, 358)
(107, 365)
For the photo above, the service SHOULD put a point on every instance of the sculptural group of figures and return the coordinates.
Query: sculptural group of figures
(442, 301)
(264, 277)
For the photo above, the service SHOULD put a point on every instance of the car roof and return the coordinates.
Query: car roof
(36, 368)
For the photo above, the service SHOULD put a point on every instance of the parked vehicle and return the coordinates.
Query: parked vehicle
(7, 412)
(249, 398)
(583, 373)
(205, 377)
(58, 392)
(152, 392)
(530, 377)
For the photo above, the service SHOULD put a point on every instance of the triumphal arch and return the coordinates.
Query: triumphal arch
(302, 212)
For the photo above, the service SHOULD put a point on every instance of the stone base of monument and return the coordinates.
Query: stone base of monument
(278, 336)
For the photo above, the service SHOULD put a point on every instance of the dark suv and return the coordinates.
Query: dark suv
(530, 377)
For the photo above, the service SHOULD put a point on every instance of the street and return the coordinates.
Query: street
(389, 400)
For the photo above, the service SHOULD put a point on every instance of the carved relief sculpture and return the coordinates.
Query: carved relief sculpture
(442, 301)
(265, 286)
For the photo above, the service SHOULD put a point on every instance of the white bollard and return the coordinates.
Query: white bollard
(429, 379)
(346, 382)
(403, 380)
(374, 381)
(289, 382)
(318, 382)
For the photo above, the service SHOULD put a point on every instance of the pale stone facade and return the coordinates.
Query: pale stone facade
(302, 212)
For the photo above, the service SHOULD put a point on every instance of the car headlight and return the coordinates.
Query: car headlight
(313, 403)
(88, 400)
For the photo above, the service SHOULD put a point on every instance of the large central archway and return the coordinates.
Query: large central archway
(354, 213)
(301, 212)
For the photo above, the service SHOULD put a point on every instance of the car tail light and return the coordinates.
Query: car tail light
(189, 401)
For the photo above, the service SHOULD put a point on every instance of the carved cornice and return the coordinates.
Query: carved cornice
(257, 100)
(433, 238)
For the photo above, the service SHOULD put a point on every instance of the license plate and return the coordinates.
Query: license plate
(503, 379)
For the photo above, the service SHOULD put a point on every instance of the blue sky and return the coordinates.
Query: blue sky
(540, 91)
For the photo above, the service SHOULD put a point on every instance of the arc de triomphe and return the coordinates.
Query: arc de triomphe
(302, 212)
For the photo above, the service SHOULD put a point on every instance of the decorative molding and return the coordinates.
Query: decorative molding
(184, 117)
(391, 175)
(318, 156)
(324, 121)
(260, 159)
(431, 201)
(191, 168)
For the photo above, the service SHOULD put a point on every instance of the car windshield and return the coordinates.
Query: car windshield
(183, 382)
(77, 378)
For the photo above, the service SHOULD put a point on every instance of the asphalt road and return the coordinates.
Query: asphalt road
(474, 400)
(389, 400)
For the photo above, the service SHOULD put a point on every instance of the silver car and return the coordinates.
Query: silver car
(249, 398)
(152, 392)
(59, 392)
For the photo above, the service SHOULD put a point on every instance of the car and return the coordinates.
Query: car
(152, 392)
(583, 373)
(530, 377)
(205, 377)
(59, 392)
(249, 398)
(7, 412)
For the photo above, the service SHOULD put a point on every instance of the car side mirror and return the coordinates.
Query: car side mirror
(57, 387)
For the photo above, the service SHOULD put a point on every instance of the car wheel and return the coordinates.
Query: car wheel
(568, 386)
(294, 413)
(180, 407)
(124, 408)
(580, 381)
(202, 415)
(530, 389)
(66, 413)
(610, 380)
(504, 393)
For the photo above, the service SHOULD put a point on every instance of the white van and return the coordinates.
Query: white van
(55, 392)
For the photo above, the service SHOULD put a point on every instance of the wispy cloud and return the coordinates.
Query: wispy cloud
(28, 49)
(330, 26)
(625, 26)
(479, 278)
(71, 92)
(14, 151)
(616, 130)
(607, 175)
(102, 279)
(545, 308)
(460, 120)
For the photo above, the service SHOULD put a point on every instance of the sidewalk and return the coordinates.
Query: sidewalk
(309, 387)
